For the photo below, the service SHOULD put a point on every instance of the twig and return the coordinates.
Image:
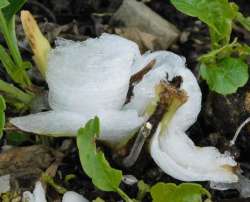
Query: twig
(232, 142)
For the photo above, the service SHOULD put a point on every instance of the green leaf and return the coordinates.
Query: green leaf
(217, 14)
(13, 7)
(9, 13)
(7, 61)
(2, 115)
(17, 138)
(16, 74)
(3, 3)
(244, 21)
(93, 161)
(226, 76)
(7, 27)
(186, 192)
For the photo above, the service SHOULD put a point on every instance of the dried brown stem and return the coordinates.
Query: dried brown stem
(169, 94)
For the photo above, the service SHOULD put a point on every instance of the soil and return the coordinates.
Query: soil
(77, 20)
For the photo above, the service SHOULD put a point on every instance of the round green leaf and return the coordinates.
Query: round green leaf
(185, 192)
(217, 14)
(226, 76)
(163, 192)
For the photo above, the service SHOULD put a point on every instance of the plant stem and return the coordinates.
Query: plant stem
(15, 92)
(6, 33)
(49, 180)
(124, 195)
(212, 54)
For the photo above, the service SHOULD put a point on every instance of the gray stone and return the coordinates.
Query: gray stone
(136, 14)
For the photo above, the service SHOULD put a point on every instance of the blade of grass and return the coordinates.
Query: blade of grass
(15, 92)
(16, 73)
(7, 36)
(7, 61)
(3, 3)
(7, 27)
(13, 8)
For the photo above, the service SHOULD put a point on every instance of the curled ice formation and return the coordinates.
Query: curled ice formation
(172, 149)
(86, 79)
(92, 78)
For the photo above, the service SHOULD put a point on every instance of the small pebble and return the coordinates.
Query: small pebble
(129, 179)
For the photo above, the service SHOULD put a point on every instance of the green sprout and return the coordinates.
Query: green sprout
(12, 61)
(94, 163)
(224, 68)
(106, 178)
(11, 58)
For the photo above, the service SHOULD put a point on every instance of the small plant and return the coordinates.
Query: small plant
(11, 59)
(224, 68)
(13, 63)
(107, 178)
(94, 163)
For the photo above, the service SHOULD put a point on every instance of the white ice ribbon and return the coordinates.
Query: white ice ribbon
(92, 78)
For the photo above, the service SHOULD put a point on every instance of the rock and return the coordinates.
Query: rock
(136, 14)
(4, 184)
(129, 180)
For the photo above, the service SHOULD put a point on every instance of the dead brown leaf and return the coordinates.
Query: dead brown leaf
(144, 40)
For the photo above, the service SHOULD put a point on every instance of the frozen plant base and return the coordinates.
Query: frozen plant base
(172, 149)
(92, 78)
(243, 186)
